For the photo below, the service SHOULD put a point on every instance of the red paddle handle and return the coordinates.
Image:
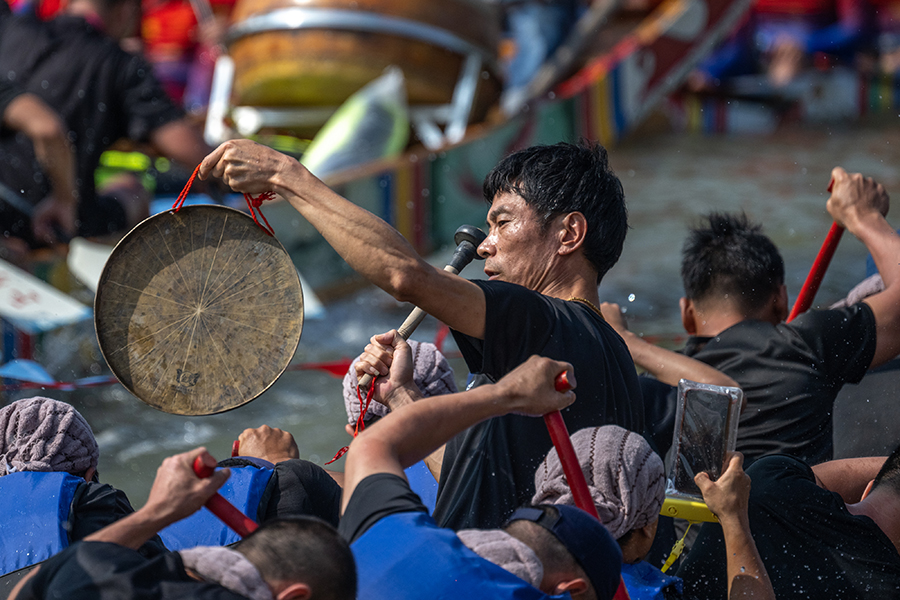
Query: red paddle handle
(563, 444)
(817, 272)
(222, 508)
(571, 467)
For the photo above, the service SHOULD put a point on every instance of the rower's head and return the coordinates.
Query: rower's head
(43, 434)
(577, 553)
(625, 477)
(551, 204)
(729, 265)
(302, 557)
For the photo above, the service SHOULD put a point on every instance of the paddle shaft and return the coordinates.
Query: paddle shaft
(222, 508)
(567, 457)
(572, 468)
(817, 272)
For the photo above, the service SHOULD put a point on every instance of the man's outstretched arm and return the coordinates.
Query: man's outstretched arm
(860, 204)
(728, 498)
(667, 366)
(412, 432)
(370, 246)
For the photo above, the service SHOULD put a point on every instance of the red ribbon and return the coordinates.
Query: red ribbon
(254, 204)
(360, 423)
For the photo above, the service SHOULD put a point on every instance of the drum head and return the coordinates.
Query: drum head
(198, 311)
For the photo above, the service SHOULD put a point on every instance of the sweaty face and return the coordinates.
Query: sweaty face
(516, 250)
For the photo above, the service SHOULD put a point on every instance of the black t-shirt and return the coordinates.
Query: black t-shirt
(90, 570)
(101, 92)
(488, 470)
(790, 374)
(374, 498)
(811, 545)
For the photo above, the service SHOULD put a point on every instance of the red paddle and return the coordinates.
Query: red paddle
(571, 467)
(563, 444)
(222, 508)
(817, 272)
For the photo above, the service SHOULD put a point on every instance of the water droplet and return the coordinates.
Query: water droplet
(631, 297)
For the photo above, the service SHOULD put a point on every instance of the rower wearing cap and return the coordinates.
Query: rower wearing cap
(400, 552)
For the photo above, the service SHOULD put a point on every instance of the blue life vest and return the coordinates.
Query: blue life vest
(423, 483)
(406, 555)
(245, 489)
(35, 509)
(645, 582)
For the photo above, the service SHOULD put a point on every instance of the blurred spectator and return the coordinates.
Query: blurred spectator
(74, 64)
(887, 19)
(783, 37)
(537, 28)
(182, 40)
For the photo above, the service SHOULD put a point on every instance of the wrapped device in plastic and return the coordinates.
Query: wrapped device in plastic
(706, 422)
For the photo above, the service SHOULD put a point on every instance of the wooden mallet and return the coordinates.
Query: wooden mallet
(467, 239)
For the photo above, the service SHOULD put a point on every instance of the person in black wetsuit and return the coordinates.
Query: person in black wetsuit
(734, 310)
(827, 531)
(557, 224)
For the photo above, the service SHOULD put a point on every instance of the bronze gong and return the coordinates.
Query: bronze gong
(198, 311)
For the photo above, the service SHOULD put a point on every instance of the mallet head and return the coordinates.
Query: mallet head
(467, 240)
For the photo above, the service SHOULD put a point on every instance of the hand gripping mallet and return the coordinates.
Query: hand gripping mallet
(817, 272)
(571, 467)
(222, 508)
(467, 239)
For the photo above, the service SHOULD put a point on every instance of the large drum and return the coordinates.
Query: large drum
(316, 53)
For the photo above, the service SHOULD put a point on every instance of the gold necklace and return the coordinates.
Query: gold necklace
(588, 303)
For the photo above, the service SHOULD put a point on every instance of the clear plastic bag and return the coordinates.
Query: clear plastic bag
(706, 423)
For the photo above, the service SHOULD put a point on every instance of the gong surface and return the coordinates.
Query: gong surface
(198, 311)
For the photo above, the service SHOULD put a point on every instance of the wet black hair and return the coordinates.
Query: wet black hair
(730, 255)
(563, 178)
(889, 475)
(303, 550)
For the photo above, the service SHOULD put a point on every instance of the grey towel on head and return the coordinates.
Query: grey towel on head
(625, 476)
(229, 568)
(502, 549)
(42, 434)
(431, 372)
